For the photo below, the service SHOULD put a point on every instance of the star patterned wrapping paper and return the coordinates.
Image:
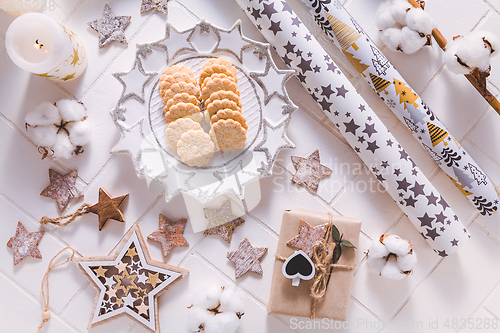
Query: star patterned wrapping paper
(392, 88)
(365, 132)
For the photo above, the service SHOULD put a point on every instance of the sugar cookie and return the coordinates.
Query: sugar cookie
(181, 110)
(217, 105)
(178, 88)
(195, 148)
(216, 84)
(224, 94)
(229, 134)
(182, 97)
(178, 127)
(229, 114)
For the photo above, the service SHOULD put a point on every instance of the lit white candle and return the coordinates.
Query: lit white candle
(40, 45)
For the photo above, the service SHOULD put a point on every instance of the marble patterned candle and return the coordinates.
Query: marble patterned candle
(40, 45)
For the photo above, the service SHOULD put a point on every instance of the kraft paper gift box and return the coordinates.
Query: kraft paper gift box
(288, 300)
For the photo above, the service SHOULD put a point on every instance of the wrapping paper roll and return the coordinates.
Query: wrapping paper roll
(434, 137)
(361, 127)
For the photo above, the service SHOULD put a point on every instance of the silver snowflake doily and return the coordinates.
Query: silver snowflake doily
(138, 113)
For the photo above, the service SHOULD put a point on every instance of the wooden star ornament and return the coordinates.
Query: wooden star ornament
(220, 215)
(108, 208)
(307, 236)
(169, 234)
(62, 188)
(221, 221)
(128, 281)
(24, 244)
(309, 171)
(225, 230)
(110, 27)
(159, 5)
(246, 258)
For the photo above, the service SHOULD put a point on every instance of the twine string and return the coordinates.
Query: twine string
(45, 284)
(71, 217)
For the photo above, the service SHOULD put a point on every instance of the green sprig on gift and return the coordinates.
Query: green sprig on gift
(339, 241)
(338, 238)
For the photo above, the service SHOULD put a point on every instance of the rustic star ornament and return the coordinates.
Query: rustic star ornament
(307, 236)
(24, 244)
(108, 208)
(110, 27)
(219, 216)
(246, 258)
(62, 188)
(224, 230)
(309, 171)
(169, 234)
(159, 5)
(133, 290)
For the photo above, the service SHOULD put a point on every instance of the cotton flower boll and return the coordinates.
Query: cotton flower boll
(63, 147)
(197, 317)
(396, 245)
(451, 60)
(377, 250)
(79, 132)
(391, 270)
(222, 323)
(44, 135)
(214, 325)
(231, 300)
(383, 17)
(417, 19)
(377, 264)
(216, 309)
(208, 298)
(391, 257)
(492, 40)
(43, 115)
(407, 262)
(398, 10)
(411, 41)
(60, 129)
(71, 110)
(473, 51)
(392, 38)
(229, 321)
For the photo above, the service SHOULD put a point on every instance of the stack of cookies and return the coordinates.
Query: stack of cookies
(220, 93)
(219, 90)
(180, 93)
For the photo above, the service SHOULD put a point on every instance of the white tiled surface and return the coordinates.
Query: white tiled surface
(465, 286)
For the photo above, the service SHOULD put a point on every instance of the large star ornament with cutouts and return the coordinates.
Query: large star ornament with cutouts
(129, 281)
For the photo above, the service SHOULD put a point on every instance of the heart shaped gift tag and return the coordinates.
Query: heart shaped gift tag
(298, 266)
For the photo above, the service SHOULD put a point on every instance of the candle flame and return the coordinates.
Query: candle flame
(38, 45)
